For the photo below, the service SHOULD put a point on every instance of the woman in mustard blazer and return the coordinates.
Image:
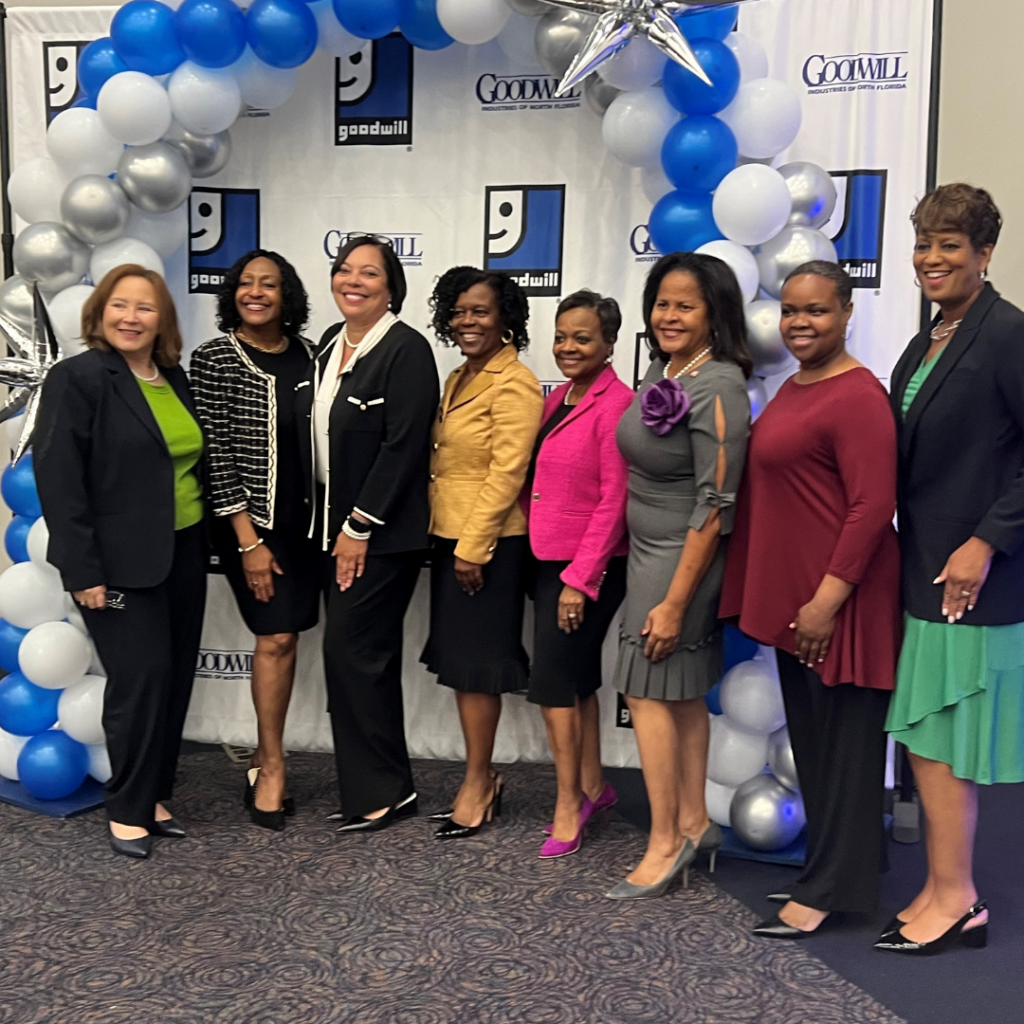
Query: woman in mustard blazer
(483, 438)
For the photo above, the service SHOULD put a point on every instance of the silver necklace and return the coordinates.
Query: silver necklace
(941, 331)
(148, 380)
(689, 366)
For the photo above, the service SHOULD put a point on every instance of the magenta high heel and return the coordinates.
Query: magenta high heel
(562, 848)
(607, 798)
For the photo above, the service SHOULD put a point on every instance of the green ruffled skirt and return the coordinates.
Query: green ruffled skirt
(960, 698)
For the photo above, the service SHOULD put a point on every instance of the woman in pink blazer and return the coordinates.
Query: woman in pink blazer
(575, 501)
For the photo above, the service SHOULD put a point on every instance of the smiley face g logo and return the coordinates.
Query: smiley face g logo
(60, 75)
(524, 225)
(223, 224)
(857, 224)
(373, 94)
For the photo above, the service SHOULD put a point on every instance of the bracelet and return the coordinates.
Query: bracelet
(251, 547)
(351, 528)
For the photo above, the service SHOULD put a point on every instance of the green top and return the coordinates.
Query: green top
(185, 444)
(917, 381)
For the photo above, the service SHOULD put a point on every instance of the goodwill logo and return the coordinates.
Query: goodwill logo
(523, 92)
(644, 249)
(60, 76)
(857, 224)
(856, 71)
(223, 665)
(373, 93)
(223, 224)
(408, 245)
(523, 230)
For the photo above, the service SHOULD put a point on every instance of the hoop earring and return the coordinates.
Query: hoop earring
(984, 275)
(507, 338)
(917, 281)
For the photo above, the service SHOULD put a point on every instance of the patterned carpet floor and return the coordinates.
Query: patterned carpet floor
(237, 925)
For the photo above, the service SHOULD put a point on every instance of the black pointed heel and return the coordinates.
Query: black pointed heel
(167, 829)
(138, 849)
(406, 808)
(451, 829)
(272, 820)
(973, 938)
(443, 815)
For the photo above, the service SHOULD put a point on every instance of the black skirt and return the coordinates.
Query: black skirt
(476, 642)
(567, 666)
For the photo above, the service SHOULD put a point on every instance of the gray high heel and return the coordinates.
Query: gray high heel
(710, 843)
(628, 891)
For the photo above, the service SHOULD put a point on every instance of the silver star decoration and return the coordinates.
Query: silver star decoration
(621, 20)
(24, 371)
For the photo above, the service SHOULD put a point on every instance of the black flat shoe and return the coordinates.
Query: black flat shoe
(406, 808)
(973, 938)
(136, 848)
(443, 815)
(167, 829)
(776, 928)
(778, 897)
(451, 829)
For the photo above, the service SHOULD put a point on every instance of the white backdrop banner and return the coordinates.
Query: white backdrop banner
(460, 156)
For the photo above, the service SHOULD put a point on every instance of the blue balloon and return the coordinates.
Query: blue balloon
(683, 222)
(145, 37)
(52, 765)
(16, 538)
(212, 32)
(26, 709)
(10, 641)
(18, 488)
(368, 19)
(98, 62)
(686, 92)
(698, 153)
(282, 33)
(418, 22)
(713, 24)
(713, 698)
(738, 647)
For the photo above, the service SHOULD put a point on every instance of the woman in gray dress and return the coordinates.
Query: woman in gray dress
(685, 439)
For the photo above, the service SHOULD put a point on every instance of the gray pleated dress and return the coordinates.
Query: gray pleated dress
(672, 489)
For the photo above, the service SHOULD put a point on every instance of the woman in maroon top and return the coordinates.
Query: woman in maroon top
(813, 570)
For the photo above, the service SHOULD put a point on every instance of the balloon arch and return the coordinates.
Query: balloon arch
(704, 125)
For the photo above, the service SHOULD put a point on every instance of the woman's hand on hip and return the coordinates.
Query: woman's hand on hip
(814, 624)
(259, 566)
(92, 597)
(570, 609)
(964, 575)
(470, 575)
(662, 628)
(350, 560)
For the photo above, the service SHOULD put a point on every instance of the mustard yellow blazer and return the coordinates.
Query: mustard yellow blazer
(483, 441)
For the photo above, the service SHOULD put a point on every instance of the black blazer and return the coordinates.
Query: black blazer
(961, 465)
(379, 439)
(105, 477)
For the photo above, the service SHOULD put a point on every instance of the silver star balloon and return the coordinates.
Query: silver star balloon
(621, 20)
(24, 371)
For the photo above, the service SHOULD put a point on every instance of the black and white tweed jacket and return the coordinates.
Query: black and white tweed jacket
(237, 404)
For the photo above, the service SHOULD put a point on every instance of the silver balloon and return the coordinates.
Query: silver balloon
(789, 249)
(560, 36)
(16, 302)
(781, 760)
(205, 155)
(757, 395)
(48, 254)
(95, 209)
(156, 177)
(764, 338)
(529, 8)
(599, 94)
(765, 815)
(813, 192)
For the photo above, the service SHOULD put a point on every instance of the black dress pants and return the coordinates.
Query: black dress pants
(839, 744)
(363, 666)
(148, 641)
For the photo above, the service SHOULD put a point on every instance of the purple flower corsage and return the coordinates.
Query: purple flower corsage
(663, 405)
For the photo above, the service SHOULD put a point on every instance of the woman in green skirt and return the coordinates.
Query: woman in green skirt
(958, 394)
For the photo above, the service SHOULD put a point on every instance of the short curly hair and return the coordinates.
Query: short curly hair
(294, 300)
(963, 208)
(513, 306)
(606, 309)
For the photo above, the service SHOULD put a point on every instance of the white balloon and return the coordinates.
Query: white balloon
(517, 41)
(262, 86)
(741, 261)
(635, 126)
(65, 310)
(10, 748)
(95, 665)
(331, 35)
(204, 100)
(734, 755)
(750, 53)
(654, 181)
(30, 596)
(99, 762)
(35, 188)
(164, 233)
(134, 107)
(717, 799)
(80, 144)
(751, 697)
(74, 615)
(80, 710)
(124, 250)
(637, 66)
(473, 21)
(752, 204)
(765, 117)
(54, 655)
(37, 541)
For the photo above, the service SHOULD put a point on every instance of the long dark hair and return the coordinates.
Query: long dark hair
(294, 301)
(720, 291)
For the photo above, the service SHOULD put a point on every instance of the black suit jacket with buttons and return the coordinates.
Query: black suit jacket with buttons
(105, 476)
(961, 461)
(379, 435)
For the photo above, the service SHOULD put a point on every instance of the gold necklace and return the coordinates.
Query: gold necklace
(273, 350)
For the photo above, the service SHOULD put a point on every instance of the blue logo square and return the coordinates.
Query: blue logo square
(223, 225)
(857, 227)
(373, 94)
(60, 76)
(523, 231)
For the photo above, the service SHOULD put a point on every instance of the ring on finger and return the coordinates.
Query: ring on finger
(965, 593)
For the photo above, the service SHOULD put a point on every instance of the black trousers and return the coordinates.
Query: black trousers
(148, 641)
(363, 666)
(839, 748)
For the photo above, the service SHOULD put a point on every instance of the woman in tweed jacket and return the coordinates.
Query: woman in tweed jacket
(245, 388)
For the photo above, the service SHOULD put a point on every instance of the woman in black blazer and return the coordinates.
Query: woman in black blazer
(369, 406)
(958, 395)
(118, 451)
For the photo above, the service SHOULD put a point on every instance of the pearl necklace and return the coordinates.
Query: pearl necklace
(689, 366)
(148, 380)
(940, 332)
